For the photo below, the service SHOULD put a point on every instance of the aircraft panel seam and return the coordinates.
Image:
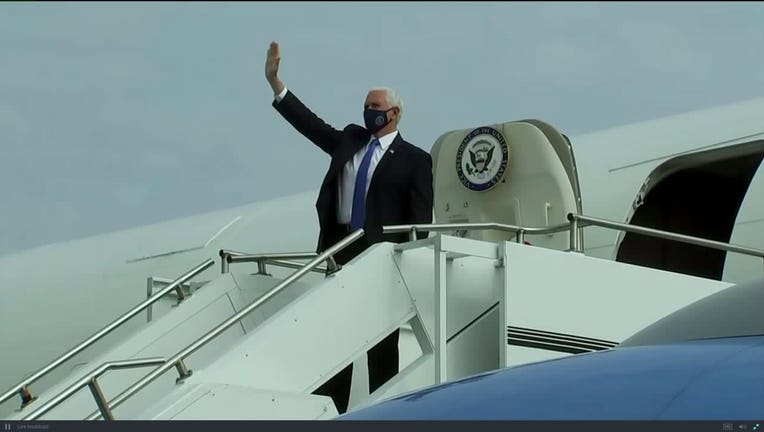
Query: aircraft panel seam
(708, 146)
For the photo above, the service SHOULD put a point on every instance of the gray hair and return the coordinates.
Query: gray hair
(393, 99)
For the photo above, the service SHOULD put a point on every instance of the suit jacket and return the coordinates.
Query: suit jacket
(400, 191)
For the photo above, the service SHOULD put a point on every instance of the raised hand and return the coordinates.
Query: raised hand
(272, 67)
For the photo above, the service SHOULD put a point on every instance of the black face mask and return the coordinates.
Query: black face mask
(375, 119)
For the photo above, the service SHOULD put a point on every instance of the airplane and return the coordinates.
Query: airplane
(635, 221)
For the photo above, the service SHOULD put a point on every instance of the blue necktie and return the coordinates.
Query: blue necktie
(358, 214)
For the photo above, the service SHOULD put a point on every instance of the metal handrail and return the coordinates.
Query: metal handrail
(90, 380)
(178, 359)
(224, 254)
(278, 255)
(577, 221)
(295, 265)
(519, 231)
(272, 261)
(151, 283)
(278, 259)
(583, 221)
(22, 388)
(164, 282)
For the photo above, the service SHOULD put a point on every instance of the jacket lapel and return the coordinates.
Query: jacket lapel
(389, 155)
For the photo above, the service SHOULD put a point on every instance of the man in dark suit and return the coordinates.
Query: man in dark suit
(375, 178)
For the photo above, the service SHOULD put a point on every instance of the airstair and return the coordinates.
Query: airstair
(250, 346)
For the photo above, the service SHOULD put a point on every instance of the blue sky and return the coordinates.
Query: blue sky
(114, 115)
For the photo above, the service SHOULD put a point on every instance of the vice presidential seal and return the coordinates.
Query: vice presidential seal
(482, 158)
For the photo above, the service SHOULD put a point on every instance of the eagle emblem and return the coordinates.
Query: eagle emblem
(481, 156)
(478, 164)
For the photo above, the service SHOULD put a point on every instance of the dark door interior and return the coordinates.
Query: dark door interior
(702, 201)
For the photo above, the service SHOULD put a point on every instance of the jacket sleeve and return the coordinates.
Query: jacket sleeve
(307, 123)
(421, 193)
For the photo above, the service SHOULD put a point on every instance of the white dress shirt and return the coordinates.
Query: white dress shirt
(346, 186)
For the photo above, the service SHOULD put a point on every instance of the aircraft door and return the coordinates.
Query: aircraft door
(519, 173)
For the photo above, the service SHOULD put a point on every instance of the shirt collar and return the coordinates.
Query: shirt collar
(385, 140)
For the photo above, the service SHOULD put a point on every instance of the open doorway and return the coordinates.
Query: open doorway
(697, 194)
